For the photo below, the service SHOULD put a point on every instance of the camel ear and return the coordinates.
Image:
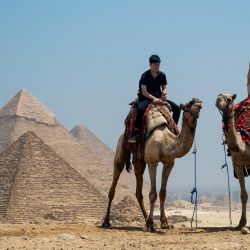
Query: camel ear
(182, 106)
(234, 96)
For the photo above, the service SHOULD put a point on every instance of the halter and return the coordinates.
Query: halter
(225, 117)
(185, 110)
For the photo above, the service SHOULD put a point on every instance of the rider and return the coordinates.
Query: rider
(152, 89)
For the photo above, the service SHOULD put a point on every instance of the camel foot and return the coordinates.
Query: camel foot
(238, 228)
(242, 223)
(149, 228)
(106, 224)
(166, 226)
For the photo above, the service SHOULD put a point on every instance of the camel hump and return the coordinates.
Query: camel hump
(158, 115)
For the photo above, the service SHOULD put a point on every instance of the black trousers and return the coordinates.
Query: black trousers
(143, 105)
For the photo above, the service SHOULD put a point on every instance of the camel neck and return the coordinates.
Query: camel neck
(185, 139)
(231, 134)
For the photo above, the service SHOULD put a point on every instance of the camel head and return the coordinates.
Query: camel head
(192, 110)
(225, 103)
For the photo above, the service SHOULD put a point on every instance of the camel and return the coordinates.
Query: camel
(240, 151)
(162, 146)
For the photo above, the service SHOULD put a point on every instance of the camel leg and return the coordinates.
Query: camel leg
(117, 172)
(165, 174)
(119, 164)
(152, 196)
(139, 166)
(243, 195)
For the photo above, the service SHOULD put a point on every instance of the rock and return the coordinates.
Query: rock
(84, 237)
(244, 230)
(66, 236)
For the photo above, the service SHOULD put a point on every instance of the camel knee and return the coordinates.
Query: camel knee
(153, 197)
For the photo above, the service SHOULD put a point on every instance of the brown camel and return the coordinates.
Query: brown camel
(240, 151)
(162, 146)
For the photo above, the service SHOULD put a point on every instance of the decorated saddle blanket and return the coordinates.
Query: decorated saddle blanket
(242, 119)
(156, 116)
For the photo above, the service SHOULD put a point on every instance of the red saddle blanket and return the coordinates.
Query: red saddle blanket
(242, 119)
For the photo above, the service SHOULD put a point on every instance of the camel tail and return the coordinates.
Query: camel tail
(128, 162)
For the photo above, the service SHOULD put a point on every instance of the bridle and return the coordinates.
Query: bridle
(226, 117)
(228, 101)
(185, 110)
(191, 103)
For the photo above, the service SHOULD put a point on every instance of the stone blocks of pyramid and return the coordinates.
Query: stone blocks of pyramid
(16, 119)
(37, 184)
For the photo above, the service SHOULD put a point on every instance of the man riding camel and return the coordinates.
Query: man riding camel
(152, 89)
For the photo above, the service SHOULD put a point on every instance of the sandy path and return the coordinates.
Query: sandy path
(210, 235)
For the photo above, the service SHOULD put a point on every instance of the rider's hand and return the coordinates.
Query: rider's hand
(164, 97)
(156, 100)
(159, 101)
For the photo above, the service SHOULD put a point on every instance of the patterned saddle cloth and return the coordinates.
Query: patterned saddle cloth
(154, 116)
(242, 119)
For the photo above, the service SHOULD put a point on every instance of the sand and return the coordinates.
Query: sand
(213, 232)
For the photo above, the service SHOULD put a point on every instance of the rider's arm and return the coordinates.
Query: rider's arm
(164, 92)
(146, 94)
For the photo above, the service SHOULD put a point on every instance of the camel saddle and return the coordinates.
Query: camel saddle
(242, 119)
(242, 125)
(154, 117)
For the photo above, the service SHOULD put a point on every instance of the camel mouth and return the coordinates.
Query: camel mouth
(223, 101)
(195, 110)
(220, 102)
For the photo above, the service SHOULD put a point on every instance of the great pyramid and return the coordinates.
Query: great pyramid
(37, 185)
(18, 116)
(23, 104)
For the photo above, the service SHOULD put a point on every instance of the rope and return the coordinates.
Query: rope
(225, 165)
(194, 192)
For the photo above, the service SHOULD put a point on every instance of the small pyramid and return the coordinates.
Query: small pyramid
(24, 104)
(105, 155)
(127, 211)
(95, 145)
(38, 185)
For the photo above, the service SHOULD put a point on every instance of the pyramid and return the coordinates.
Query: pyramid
(78, 156)
(102, 152)
(95, 145)
(23, 104)
(37, 185)
(122, 211)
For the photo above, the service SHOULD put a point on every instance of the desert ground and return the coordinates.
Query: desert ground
(213, 232)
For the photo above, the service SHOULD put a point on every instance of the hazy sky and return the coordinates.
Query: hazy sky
(83, 60)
